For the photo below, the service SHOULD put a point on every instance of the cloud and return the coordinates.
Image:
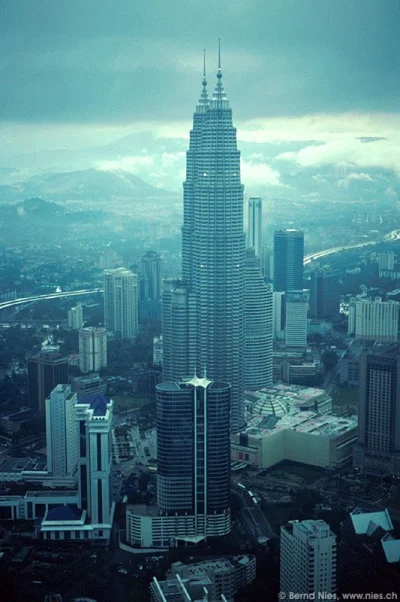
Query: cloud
(253, 173)
(136, 164)
(358, 177)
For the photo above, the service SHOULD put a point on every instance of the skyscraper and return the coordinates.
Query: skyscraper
(213, 250)
(92, 349)
(254, 225)
(288, 260)
(75, 317)
(296, 318)
(324, 295)
(61, 436)
(378, 446)
(258, 322)
(46, 370)
(374, 319)
(94, 418)
(308, 558)
(151, 277)
(121, 302)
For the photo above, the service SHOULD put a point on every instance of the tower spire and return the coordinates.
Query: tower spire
(219, 54)
(203, 101)
(219, 99)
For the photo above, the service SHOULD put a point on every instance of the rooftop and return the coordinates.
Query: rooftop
(96, 401)
(311, 423)
(63, 513)
(366, 523)
(391, 548)
(10, 464)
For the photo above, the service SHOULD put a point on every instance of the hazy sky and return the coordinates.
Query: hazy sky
(83, 72)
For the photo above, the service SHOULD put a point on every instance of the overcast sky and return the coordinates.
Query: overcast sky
(110, 66)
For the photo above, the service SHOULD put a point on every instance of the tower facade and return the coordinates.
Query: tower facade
(193, 452)
(296, 318)
(61, 436)
(374, 319)
(151, 277)
(254, 225)
(324, 295)
(121, 302)
(46, 370)
(308, 558)
(258, 321)
(378, 446)
(288, 260)
(213, 247)
(92, 349)
(75, 317)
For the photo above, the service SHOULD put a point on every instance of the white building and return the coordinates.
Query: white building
(121, 302)
(158, 351)
(386, 261)
(92, 349)
(258, 325)
(94, 416)
(61, 436)
(308, 558)
(75, 317)
(374, 319)
(254, 225)
(296, 318)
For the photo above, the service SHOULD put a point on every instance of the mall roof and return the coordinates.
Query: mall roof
(366, 523)
(323, 425)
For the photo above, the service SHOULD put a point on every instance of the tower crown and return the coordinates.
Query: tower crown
(219, 100)
(204, 101)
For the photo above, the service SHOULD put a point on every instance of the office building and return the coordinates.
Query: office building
(61, 436)
(46, 370)
(378, 446)
(324, 295)
(296, 318)
(288, 260)
(374, 319)
(308, 558)
(94, 417)
(182, 590)
(279, 306)
(254, 225)
(193, 470)
(75, 317)
(121, 302)
(150, 281)
(213, 251)
(92, 349)
(258, 324)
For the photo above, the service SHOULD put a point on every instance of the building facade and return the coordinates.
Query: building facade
(92, 349)
(213, 250)
(308, 558)
(75, 317)
(121, 302)
(254, 225)
(288, 260)
(296, 318)
(45, 371)
(374, 319)
(150, 282)
(324, 295)
(61, 436)
(378, 446)
(258, 322)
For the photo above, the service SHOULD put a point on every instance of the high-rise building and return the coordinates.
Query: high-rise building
(386, 261)
(213, 251)
(308, 558)
(90, 384)
(288, 260)
(46, 370)
(378, 446)
(324, 295)
(94, 417)
(254, 225)
(158, 351)
(279, 314)
(61, 436)
(121, 302)
(150, 285)
(92, 349)
(258, 322)
(193, 469)
(75, 317)
(374, 319)
(296, 318)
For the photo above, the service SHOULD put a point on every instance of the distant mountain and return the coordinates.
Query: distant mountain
(84, 185)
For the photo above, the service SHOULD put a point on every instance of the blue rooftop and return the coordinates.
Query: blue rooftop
(97, 402)
(63, 513)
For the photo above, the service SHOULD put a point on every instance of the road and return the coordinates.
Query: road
(253, 517)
